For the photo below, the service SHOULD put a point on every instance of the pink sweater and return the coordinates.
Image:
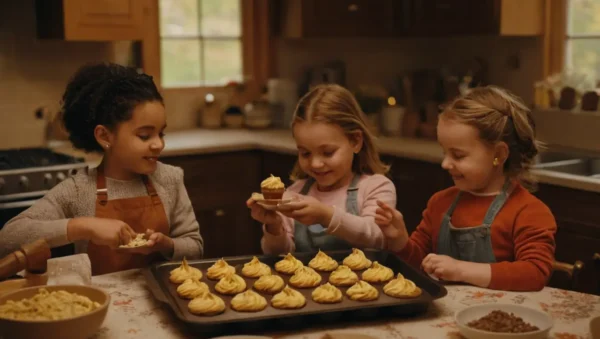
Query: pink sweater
(359, 230)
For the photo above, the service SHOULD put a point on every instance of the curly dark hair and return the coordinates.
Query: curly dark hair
(103, 94)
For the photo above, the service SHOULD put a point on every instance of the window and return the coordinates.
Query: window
(201, 42)
(583, 37)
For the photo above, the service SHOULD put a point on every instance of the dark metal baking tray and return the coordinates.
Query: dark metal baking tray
(157, 277)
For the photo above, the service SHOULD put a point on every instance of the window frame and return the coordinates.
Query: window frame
(257, 46)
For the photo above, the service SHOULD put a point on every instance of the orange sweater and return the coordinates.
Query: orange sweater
(522, 236)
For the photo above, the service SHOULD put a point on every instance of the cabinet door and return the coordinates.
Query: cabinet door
(278, 164)
(229, 231)
(578, 234)
(337, 18)
(454, 17)
(218, 186)
(416, 181)
(104, 20)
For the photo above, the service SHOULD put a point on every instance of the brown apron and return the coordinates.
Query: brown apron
(140, 213)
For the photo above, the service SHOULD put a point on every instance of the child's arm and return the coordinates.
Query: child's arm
(411, 249)
(278, 232)
(185, 231)
(46, 219)
(534, 254)
(533, 237)
(361, 230)
(278, 237)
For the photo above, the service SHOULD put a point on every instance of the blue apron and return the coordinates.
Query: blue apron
(472, 244)
(314, 237)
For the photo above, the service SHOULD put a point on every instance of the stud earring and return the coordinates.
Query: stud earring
(496, 162)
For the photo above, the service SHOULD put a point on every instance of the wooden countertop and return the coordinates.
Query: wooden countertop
(205, 141)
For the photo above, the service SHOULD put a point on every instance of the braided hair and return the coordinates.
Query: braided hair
(501, 116)
(103, 94)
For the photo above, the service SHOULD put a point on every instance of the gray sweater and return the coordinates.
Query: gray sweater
(76, 197)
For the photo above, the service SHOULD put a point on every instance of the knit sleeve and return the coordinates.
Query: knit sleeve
(533, 236)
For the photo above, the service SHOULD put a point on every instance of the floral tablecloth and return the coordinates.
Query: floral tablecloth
(135, 313)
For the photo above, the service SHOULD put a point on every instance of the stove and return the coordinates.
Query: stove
(26, 175)
(31, 172)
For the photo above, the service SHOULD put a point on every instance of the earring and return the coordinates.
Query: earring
(107, 146)
(496, 162)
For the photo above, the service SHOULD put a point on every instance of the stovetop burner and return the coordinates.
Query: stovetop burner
(33, 157)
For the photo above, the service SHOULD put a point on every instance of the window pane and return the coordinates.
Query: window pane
(221, 18)
(584, 17)
(222, 61)
(180, 62)
(584, 56)
(178, 17)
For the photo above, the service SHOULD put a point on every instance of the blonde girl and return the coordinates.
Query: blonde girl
(338, 180)
(488, 230)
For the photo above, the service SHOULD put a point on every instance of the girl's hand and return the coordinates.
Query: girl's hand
(308, 211)
(392, 225)
(156, 242)
(271, 219)
(100, 231)
(443, 267)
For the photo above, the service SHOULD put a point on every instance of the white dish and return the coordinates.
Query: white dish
(269, 204)
(534, 317)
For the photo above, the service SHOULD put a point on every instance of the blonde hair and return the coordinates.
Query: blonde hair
(501, 116)
(333, 104)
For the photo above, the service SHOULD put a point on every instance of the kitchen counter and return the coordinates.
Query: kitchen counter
(203, 141)
(134, 313)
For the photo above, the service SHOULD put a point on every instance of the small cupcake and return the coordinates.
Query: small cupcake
(184, 272)
(219, 270)
(269, 284)
(377, 273)
(323, 262)
(272, 188)
(288, 265)
(255, 269)
(206, 304)
(362, 291)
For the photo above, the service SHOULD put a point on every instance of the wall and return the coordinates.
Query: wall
(371, 61)
(33, 72)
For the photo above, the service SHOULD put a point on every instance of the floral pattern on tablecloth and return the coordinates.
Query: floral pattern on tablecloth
(134, 313)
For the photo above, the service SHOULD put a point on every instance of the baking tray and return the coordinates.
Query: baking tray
(157, 277)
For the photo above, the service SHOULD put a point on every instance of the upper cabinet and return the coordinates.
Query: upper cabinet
(336, 18)
(387, 18)
(91, 20)
(475, 17)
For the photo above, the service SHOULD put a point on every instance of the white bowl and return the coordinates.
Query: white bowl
(534, 317)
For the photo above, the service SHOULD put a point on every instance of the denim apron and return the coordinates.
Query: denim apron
(472, 244)
(314, 237)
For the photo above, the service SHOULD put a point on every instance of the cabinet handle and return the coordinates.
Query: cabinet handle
(219, 213)
(353, 8)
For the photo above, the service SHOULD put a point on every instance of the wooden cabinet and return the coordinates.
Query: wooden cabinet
(578, 234)
(337, 18)
(91, 20)
(218, 186)
(475, 17)
(415, 181)
(387, 18)
(453, 17)
(279, 165)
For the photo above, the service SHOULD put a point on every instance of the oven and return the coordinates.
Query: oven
(26, 175)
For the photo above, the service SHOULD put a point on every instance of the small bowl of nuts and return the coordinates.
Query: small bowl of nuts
(502, 321)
